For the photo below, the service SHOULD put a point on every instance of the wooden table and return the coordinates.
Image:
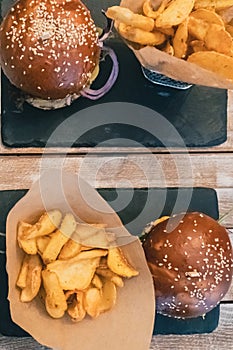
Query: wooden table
(124, 167)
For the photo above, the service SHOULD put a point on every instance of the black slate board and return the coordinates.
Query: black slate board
(202, 199)
(199, 114)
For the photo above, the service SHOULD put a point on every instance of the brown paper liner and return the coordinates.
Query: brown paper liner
(129, 324)
(178, 69)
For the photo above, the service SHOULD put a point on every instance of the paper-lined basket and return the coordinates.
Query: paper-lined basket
(175, 68)
(129, 325)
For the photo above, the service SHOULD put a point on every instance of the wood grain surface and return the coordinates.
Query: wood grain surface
(121, 167)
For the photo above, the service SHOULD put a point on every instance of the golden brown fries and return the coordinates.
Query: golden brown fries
(74, 274)
(214, 4)
(69, 276)
(59, 238)
(214, 61)
(46, 224)
(182, 28)
(70, 249)
(150, 12)
(55, 299)
(126, 16)
(209, 16)
(140, 36)
(118, 263)
(76, 308)
(29, 279)
(180, 41)
(175, 13)
(109, 296)
(28, 245)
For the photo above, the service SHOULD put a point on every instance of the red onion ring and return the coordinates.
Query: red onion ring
(96, 94)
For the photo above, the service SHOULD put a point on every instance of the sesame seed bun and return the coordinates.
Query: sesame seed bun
(190, 258)
(49, 49)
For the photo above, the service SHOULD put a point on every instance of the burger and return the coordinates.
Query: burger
(50, 50)
(191, 261)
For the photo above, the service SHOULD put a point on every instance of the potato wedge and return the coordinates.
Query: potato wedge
(33, 278)
(22, 277)
(214, 61)
(175, 13)
(180, 40)
(47, 223)
(118, 263)
(55, 300)
(108, 297)
(140, 36)
(218, 39)
(209, 16)
(74, 274)
(70, 249)
(28, 245)
(215, 37)
(42, 243)
(59, 238)
(214, 4)
(92, 299)
(125, 15)
(76, 309)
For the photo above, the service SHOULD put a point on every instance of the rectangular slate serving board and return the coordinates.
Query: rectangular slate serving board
(135, 218)
(199, 114)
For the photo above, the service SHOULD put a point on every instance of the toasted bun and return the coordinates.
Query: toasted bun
(190, 258)
(49, 49)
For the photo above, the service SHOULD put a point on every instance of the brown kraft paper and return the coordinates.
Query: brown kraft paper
(129, 324)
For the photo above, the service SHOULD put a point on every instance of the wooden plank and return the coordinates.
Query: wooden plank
(221, 338)
(160, 170)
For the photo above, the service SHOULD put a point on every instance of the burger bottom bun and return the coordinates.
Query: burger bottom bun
(51, 104)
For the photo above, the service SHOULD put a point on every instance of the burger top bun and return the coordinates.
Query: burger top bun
(190, 258)
(49, 48)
